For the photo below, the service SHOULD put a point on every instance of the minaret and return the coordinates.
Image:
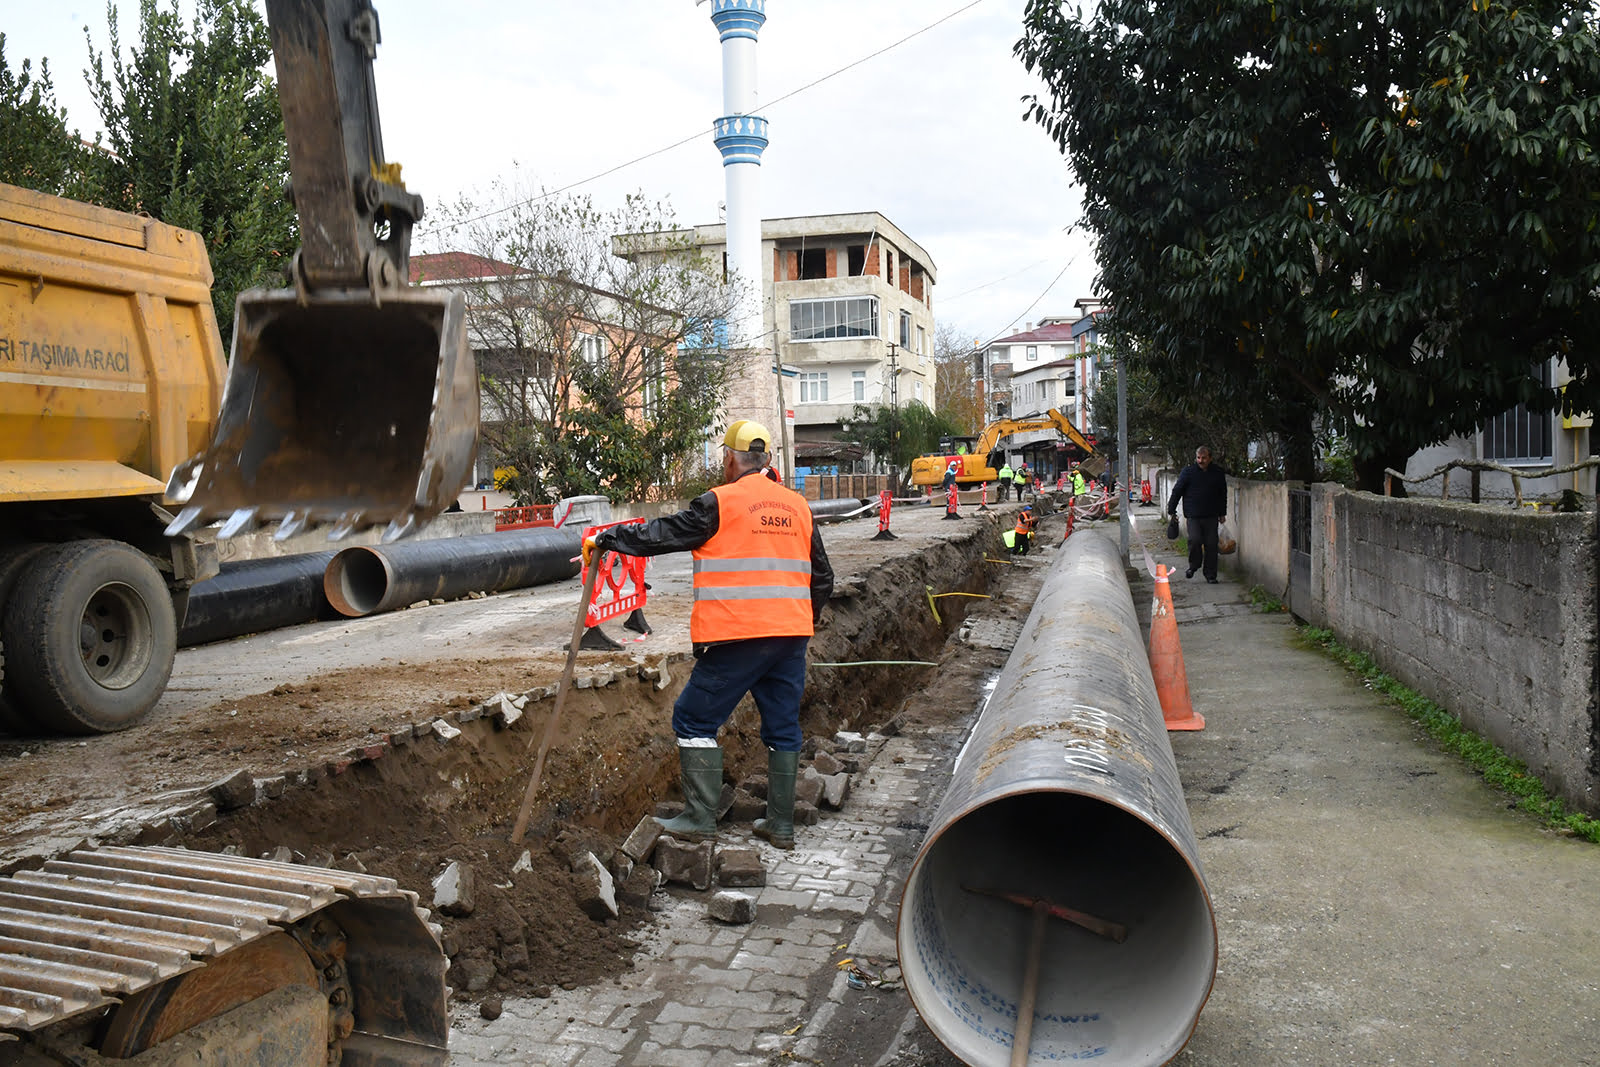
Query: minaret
(754, 391)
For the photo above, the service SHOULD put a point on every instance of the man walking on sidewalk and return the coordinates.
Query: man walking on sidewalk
(1203, 488)
(761, 579)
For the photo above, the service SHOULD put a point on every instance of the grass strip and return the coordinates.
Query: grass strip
(1506, 774)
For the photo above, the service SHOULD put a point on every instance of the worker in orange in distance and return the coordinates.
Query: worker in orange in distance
(761, 579)
(1024, 531)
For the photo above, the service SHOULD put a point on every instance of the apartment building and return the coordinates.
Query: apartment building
(847, 309)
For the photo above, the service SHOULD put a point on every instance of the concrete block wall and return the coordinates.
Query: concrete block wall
(1491, 613)
(1258, 517)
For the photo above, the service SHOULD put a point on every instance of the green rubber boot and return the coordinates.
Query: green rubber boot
(778, 826)
(701, 770)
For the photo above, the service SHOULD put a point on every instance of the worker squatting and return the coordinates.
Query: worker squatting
(51, 357)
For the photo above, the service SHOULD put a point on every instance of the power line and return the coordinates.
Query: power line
(698, 134)
(1035, 303)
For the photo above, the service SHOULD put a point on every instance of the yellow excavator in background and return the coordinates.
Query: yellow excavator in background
(975, 465)
(351, 398)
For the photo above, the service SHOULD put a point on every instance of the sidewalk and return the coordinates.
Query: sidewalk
(1375, 902)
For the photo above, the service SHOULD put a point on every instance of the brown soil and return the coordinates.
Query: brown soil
(420, 805)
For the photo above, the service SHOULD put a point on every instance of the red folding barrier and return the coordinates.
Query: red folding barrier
(524, 518)
(620, 589)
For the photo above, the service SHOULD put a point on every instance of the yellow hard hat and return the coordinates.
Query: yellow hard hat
(747, 435)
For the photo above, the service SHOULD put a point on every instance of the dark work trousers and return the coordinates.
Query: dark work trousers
(1203, 545)
(771, 669)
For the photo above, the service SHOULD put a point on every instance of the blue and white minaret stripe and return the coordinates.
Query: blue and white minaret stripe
(741, 138)
(738, 18)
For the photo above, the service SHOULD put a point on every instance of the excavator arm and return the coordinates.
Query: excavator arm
(974, 467)
(352, 396)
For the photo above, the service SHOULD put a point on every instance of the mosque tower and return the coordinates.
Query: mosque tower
(755, 391)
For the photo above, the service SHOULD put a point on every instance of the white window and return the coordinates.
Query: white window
(813, 387)
(591, 348)
(858, 385)
(828, 320)
(1520, 435)
(1063, 352)
(1033, 351)
(905, 329)
(916, 390)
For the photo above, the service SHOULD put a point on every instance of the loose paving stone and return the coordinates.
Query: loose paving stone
(237, 790)
(452, 890)
(827, 763)
(740, 867)
(596, 889)
(737, 908)
(571, 846)
(808, 786)
(642, 840)
(835, 787)
(684, 862)
(444, 731)
(745, 807)
(849, 741)
(806, 814)
(635, 889)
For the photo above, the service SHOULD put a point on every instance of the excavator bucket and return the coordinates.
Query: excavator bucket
(338, 408)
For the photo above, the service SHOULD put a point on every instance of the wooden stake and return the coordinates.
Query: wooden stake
(578, 627)
(1030, 986)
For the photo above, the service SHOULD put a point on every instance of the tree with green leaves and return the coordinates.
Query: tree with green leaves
(37, 150)
(600, 373)
(1374, 217)
(196, 138)
(896, 437)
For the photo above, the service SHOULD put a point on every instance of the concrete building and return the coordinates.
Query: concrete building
(847, 301)
(1055, 363)
(1523, 440)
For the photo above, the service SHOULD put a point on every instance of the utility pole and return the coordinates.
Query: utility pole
(894, 407)
(1122, 453)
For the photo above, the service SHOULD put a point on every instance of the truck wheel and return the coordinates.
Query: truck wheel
(13, 558)
(90, 636)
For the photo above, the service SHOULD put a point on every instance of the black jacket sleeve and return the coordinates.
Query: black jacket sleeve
(1178, 489)
(821, 576)
(681, 532)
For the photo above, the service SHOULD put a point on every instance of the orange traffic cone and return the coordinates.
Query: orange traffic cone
(1166, 660)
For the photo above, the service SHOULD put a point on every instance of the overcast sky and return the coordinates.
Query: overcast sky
(542, 93)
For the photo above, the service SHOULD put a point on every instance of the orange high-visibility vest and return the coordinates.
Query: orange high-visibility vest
(753, 578)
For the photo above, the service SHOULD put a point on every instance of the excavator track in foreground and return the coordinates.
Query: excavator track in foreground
(157, 954)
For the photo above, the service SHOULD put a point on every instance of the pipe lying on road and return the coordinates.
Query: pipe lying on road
(250, 596)
(830, 510)
(369, 579)
(1067, 791)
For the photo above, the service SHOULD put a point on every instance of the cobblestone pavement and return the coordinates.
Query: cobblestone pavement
(710, 995)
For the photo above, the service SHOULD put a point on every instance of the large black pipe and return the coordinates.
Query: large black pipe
(253, 595)
(834, 510)
(370, 579)
(1067, 791)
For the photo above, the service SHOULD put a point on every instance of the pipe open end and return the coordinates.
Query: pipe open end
(356, 581)
(964, 950)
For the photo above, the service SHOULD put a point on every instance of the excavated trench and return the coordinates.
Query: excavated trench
(420, 802)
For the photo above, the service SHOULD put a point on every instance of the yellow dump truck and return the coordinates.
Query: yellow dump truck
(111, 373)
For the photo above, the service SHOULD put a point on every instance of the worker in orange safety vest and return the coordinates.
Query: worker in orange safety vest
(761, 580)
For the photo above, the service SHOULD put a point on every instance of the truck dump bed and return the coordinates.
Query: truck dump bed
(111, 365)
